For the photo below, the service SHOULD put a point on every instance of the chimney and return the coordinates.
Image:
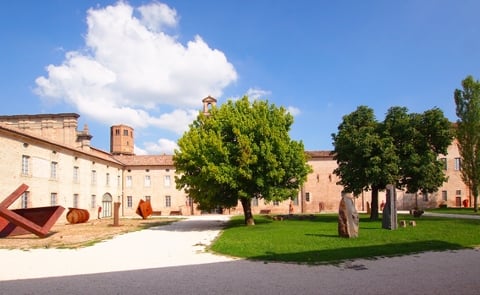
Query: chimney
(84, 137)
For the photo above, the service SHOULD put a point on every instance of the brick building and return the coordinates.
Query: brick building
(55, 159)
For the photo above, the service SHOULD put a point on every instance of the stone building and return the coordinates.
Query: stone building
(55, 159)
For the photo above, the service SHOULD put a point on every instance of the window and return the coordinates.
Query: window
(75, 174)
(53, 199)
(75, 200)
(166, 181)
(458, 164)
(444, 162)
(25, 162)
(444, 195)
(53, 170)
(189, 201)
(148, 198)
(276, 203)
(25, 200)
(458, 192)
(425, 197)
(107, 179)
(307, 197)
(93, 204)
(129, 181)
(255, 201)
(129, 202)
(117, 131)
(94, 177)
(147, 181)
(125, 132)
(168, 201)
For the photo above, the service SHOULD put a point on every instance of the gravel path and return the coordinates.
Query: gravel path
(179, 243)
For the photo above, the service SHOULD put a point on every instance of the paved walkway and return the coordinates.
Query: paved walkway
(171, 260)
(179, 243)
(461, 216)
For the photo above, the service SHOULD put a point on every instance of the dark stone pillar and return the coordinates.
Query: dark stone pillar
(389, 216)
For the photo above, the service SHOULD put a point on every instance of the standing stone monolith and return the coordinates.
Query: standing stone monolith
(347, 217)
(389, 214)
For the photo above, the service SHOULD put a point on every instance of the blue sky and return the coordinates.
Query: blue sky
(149, 64)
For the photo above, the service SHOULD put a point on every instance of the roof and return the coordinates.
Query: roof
(37, 116)
(209, 99)
(145, 160)
(94, 152)
(128, 160)
(324, 155)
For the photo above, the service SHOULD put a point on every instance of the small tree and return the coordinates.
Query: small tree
(468, 134)
(240, 151)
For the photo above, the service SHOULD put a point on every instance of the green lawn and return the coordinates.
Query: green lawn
(316, 240)
(467, 211)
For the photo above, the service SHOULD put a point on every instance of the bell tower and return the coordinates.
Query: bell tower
(121, 140)
(208, 102)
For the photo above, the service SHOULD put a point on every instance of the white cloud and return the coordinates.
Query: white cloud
(132, 72)
(162, 146)
(256, 93)
(177, 121)
(293, 111)
(139, 151)
(156, 16)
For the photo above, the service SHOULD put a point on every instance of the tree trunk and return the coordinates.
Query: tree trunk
(247, 211)
(475, 201)
(374, 208)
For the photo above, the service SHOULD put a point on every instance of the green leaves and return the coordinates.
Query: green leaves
(240, 150)
(468, 133)
(402, 150)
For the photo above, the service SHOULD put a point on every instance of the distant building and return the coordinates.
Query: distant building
(55, 159)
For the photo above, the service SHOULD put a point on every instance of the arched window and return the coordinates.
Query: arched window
(107, 205)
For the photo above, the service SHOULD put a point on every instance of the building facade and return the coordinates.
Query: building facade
(55, 159)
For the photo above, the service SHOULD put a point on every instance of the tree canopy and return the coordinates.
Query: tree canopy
(468, 134)
(402, 150)
(419, 139)
(366, 159)
(240, 151)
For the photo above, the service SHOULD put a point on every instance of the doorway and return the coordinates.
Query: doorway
(107, 205)
(458, 201)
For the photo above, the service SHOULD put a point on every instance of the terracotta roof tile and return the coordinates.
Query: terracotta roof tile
(146, 160)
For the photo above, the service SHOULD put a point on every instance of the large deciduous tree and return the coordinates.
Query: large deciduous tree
(467, 103)
(366, 159)
(240, 151)
(419, 139)
(402, 150)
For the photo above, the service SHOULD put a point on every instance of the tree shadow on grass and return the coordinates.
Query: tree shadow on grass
(329, 256)
(240, 222)
(271, 218)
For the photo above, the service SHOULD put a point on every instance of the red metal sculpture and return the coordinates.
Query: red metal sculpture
(77, 215)
(144, 209)
(37, 220)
